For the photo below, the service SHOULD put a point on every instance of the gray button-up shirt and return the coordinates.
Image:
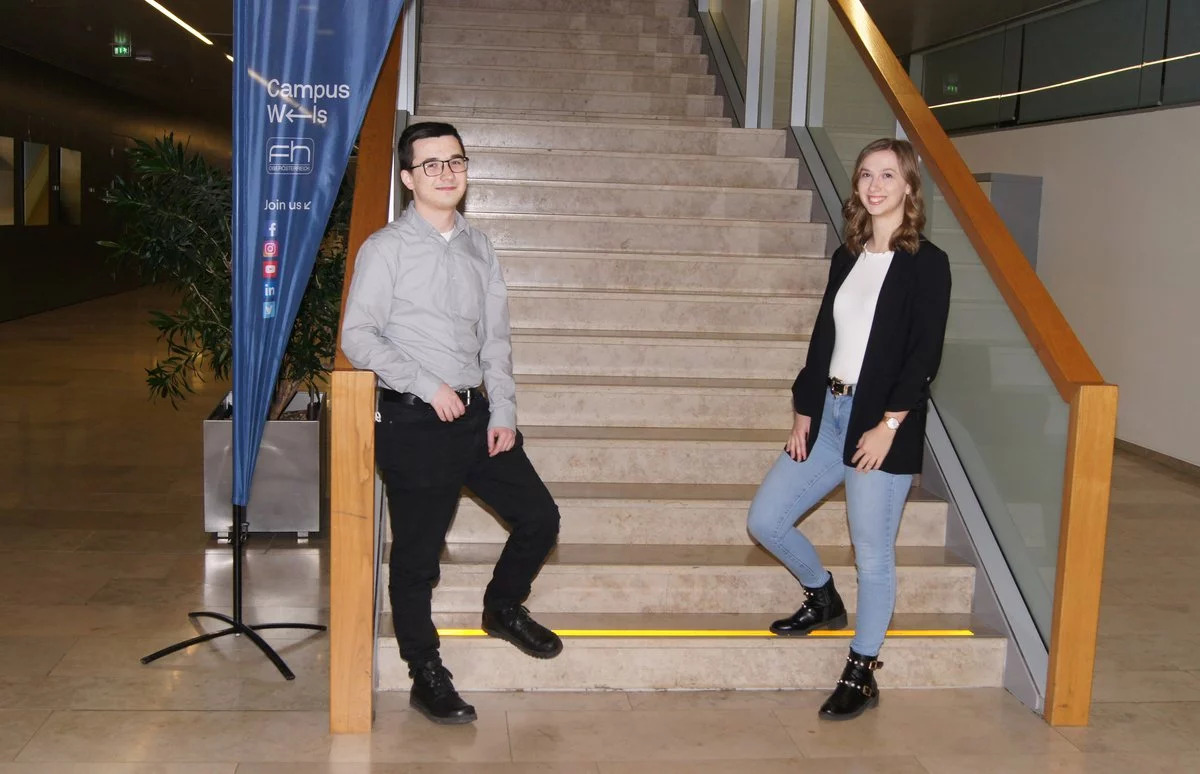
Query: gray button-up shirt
(423, 310)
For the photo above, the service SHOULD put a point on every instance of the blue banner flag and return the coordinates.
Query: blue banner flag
(303, 75)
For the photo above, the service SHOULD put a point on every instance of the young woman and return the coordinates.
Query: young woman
(859, 408)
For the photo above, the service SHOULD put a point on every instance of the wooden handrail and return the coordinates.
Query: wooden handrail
(1093, 404)
(1063, 357)
(352, 569)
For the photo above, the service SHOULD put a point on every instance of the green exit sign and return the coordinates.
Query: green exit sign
(122, 50)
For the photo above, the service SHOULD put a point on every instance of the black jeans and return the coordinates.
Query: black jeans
(425, 463)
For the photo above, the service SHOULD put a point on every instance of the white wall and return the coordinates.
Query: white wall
(1120, 253)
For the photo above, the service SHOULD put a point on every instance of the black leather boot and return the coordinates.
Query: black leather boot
(856, 692)
(433, 694)
(514, 625)
(822, 609)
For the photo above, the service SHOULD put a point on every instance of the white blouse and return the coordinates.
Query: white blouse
(853, 313)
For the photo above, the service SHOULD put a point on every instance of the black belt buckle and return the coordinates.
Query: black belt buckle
(840, 388)
(465, 396)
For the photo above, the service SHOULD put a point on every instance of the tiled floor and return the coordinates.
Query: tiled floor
(102, 555)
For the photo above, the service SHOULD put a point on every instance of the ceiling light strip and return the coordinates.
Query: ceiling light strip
(163, 10)
(1071, 82)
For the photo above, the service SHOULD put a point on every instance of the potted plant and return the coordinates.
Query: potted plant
(176, 209)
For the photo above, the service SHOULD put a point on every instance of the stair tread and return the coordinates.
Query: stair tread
(593, 118)
(706, 336)
(583, 71)
(798, 193)
(652, 381)
(572, 490)
(639, 156)
(559, 90)
(659, 294)
(609, 433)
(522, 13)
(668, 558)
(576, 125)
(742, 622)
(762, 260)
(425, 25)
(642, 220)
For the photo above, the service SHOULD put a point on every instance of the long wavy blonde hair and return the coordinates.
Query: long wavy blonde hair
(858, 221)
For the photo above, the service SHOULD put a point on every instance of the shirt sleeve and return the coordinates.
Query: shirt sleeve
(368, 306)
(923, 352)
(495, 355)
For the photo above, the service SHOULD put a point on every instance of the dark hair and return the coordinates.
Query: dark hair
(858, 220)
(422, 131)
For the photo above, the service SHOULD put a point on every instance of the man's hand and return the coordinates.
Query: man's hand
(797, 442)
(447, 404)
(500, 440)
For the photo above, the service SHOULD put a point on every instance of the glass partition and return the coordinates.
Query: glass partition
(70, 186)
(1002, 412)
(37, 184)
(8, 185)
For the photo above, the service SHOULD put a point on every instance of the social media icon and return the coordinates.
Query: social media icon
(270, 269)
(269, 290)
(272, 229)
(268, 309)
(270, 248)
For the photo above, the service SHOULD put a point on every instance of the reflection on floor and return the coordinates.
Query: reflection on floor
(102, 555)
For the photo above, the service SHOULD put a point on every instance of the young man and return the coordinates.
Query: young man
(428, 313)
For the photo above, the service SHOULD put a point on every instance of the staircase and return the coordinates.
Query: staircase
(663, 275)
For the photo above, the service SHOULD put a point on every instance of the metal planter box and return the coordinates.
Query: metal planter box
(289, 492)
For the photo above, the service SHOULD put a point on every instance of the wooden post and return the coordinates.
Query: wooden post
(352, 551)
(1081, 554)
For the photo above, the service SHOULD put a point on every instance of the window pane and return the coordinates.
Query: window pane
(7, 183)
(968, 71)
(1181, 82)
(1084, 41)
(37, 184)
(70, 186)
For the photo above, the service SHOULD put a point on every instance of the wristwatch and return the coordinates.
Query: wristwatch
(892, 423)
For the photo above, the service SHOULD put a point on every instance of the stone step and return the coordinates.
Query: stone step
(618, 120)
(648, 402)
(652, 235)
(653, 272)
(435, 97)
(652, 455)
(706, 663)
(657, 353)
(557, 40)
(478, 55)
(630, 138)
(651, 663)
(546, 19)
(679, 312)
(607, 7)
(692, 514)
(649, 169)
(556, 197)
(689, 579)
(466, 76)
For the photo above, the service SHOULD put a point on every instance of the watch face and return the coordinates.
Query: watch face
(893, 423)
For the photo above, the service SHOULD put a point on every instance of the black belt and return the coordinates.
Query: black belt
(410, 399)
(838, 387)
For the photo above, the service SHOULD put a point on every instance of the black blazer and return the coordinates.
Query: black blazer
(904, 350)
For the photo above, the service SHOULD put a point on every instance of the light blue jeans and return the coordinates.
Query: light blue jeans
(874, 503)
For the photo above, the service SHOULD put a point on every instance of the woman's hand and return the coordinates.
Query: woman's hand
(797, 443)
(873, 447)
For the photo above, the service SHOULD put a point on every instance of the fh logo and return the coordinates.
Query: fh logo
(289, 156)
(270, 248)
(270, 269)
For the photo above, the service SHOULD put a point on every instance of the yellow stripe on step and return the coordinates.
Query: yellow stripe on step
(716, 633)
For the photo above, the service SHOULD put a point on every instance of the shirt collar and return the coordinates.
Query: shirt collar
(425, 227)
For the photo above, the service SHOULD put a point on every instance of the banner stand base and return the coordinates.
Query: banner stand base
(236, 626)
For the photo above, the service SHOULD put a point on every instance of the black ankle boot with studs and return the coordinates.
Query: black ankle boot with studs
(856, 692)
(822, 609)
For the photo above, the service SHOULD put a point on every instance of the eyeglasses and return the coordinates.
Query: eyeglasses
(434, 167)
